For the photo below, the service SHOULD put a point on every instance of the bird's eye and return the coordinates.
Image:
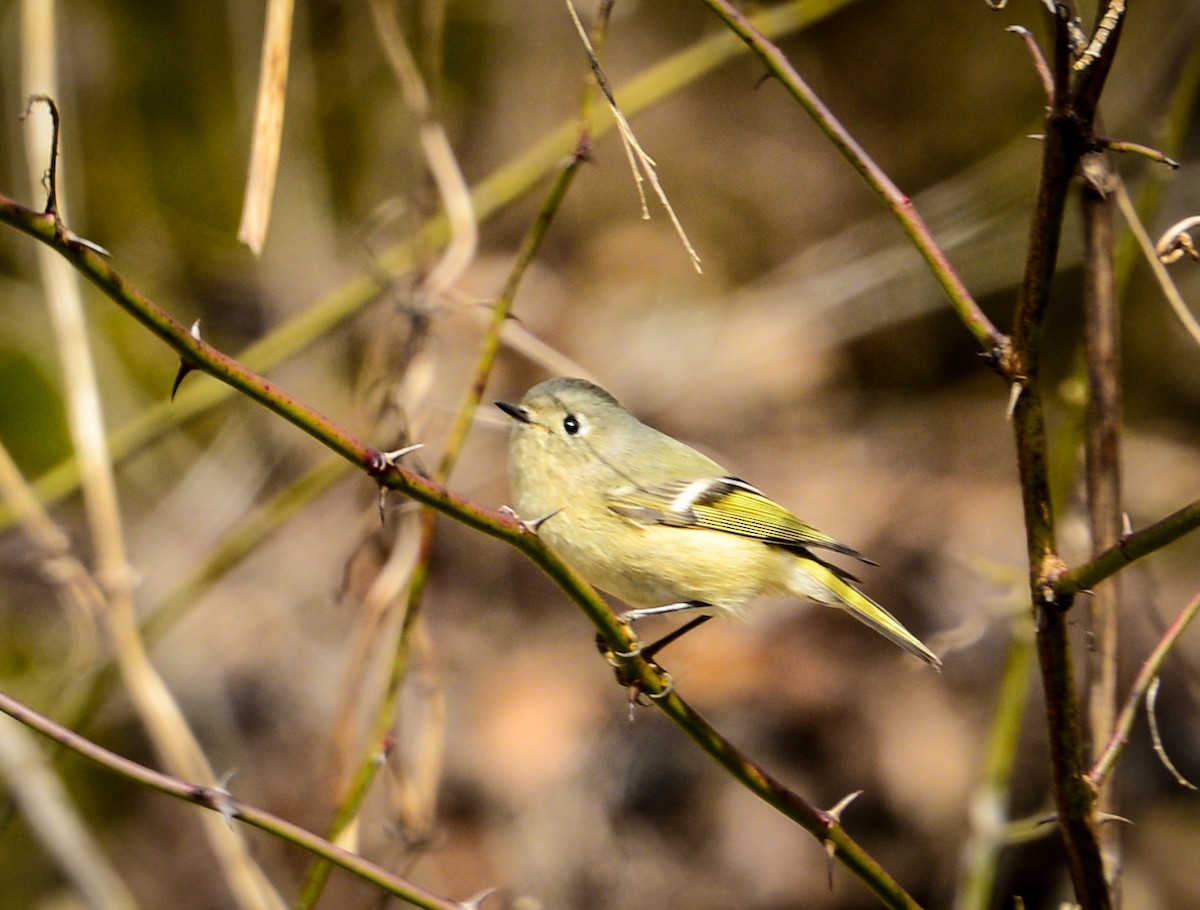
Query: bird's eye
(571, 424)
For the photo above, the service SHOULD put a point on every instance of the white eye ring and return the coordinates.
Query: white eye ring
(571, 425)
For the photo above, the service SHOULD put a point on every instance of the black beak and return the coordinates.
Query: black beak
(515, 411)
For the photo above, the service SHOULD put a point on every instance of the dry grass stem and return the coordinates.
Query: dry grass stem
(53, 819)
(268, 125)
(157, 708)
(640, 163)
(439, 155)
(1161, 275)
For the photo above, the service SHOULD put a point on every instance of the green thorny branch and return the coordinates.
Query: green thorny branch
(633, 668)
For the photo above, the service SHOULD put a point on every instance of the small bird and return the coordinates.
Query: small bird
(665, 528)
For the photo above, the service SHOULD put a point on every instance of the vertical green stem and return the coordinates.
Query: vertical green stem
(989, 804)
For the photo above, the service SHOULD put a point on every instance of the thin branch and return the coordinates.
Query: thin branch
(619, 638)
(1127, 550)
(363, 776)
(639, 162)
(1068, 129)
(1135, 148)
(1149, 672)
(1102, 460)
(1156, 262)
(1062, 146)
(655, 84)
(50, 181)
(1039, 60)
(1156, 739)
(993, 343)
(226, 805)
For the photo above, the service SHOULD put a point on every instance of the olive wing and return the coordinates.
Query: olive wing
(720, 504)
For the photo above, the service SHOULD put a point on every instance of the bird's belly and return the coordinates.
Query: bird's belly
(655, 565)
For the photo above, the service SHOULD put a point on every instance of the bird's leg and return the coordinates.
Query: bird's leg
(650, 650)
(632, 616)
(629, 617)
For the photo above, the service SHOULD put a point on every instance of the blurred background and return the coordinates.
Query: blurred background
(814, 356)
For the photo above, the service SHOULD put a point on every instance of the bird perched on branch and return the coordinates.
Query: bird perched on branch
(663, 527)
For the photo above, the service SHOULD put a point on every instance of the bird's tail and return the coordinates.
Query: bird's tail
(817, 581)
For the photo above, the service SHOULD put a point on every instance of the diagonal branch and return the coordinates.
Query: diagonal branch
(511, 181)
(1129, 549)
(990, 339)
(1148, 673)
(647, 676)
(225, 804)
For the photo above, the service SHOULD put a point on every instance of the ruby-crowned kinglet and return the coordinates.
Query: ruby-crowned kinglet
(661, 526)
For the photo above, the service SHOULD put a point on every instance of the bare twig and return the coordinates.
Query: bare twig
(227, 806)
(1102, 450)
(1039, 60)
(1130, 548)
(993, 342)
(1146, 676)
(157, 709)
(1145, 151)
(1109, 23)
(1156, 739)
(50, 179)
(517, 177)
(639, 162)
(1068, 130)
(1155, 260)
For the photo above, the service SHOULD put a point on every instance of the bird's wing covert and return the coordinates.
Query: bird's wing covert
(720, 504)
